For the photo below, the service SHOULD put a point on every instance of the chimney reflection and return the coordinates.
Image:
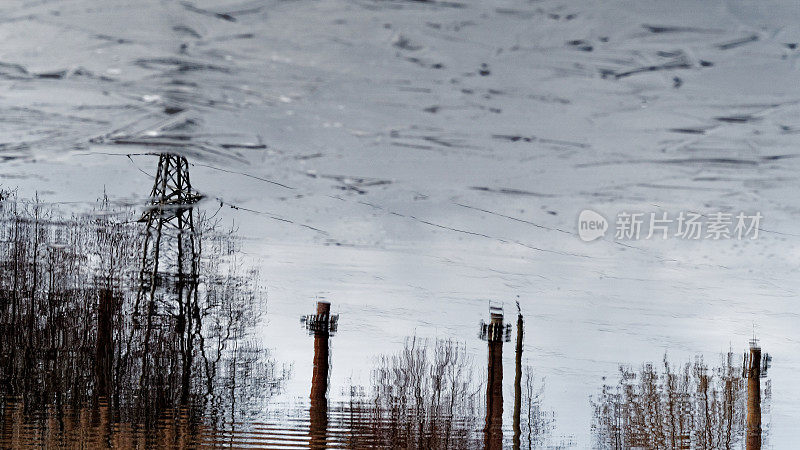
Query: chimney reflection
(495, 333)
(754, 397)
(322, 325)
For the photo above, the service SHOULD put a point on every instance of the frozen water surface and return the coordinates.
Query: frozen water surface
(411, 160)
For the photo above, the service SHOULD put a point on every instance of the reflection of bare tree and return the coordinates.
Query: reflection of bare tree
(692, 406)
(68, 294)
(422, 397)
(536, 423)
(48, 297)
(532, 425)
(426, 396)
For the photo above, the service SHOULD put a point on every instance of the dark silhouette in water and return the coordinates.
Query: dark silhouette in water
(321, 325)
(319, 384)
(518, 381)
(170, 255)
(113, 333)
(423, 397)
(692, 406)
(755, 368)
(426, 397)
(134, 328)
(104, 358)
(495, 336)
(74, 314)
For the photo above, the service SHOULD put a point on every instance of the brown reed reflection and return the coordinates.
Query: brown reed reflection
(96, 428)
(693, 406)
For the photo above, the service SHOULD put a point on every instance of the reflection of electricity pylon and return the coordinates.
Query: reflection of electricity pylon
(169, 261)
(169, 215)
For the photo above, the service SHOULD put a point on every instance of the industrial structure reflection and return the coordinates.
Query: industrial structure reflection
(131, 326)
(322, 326)
(115, 331)
(495, 333)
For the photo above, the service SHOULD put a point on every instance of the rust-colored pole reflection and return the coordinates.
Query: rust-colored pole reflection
(754, 399)
(518, 382)
(104, 357)
(318, 411)
(494, 385)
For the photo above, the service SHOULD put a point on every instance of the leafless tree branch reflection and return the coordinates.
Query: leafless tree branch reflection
(69, 342)
(693, 406)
